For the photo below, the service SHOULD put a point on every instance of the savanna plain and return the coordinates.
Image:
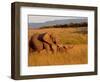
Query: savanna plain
(68, 36)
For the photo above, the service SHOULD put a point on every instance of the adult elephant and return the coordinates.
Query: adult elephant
(50, 40)
(45, 41)
(37, 43)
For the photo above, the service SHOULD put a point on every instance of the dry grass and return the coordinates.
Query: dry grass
(68, 36)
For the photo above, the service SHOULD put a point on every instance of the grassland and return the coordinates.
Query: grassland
(68, 36)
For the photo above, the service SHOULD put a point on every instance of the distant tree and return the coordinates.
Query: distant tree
(73, 25)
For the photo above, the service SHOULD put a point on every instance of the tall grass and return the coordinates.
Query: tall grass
(68, 36)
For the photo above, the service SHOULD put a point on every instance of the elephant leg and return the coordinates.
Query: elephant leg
(47, 47)
(54, 48)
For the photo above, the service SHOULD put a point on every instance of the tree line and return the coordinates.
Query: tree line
(74, 25)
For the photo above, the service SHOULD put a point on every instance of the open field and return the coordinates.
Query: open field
(68, 36)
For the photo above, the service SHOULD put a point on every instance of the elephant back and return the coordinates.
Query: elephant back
(47, 38)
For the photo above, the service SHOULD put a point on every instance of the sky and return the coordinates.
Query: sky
(42, 19)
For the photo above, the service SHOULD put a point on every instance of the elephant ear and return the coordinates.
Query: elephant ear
(47, 38)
